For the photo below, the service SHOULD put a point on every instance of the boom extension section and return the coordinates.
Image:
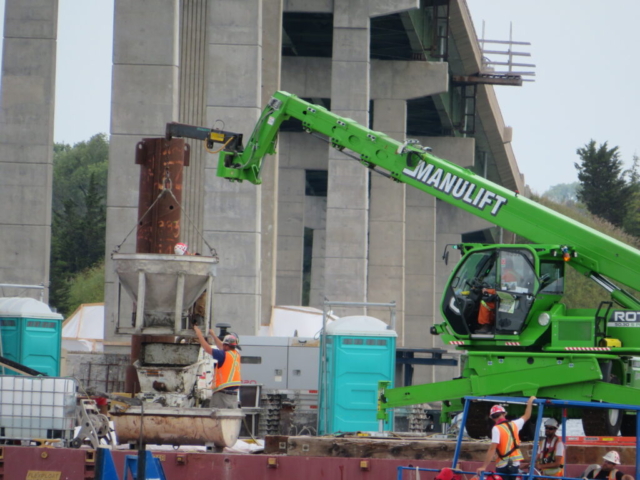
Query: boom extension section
(410, 163)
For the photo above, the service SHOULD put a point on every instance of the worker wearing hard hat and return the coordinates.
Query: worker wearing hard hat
(550, 458)
(505, 440)
(608, 470)
(227, 379)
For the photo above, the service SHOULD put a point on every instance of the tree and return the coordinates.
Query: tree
(603, 187)
(79, 218)
(72, 167)
(631, 223)
(85, 287)
(563, 192)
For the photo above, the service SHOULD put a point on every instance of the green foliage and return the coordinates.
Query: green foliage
(85, 287)
(563, 192)
(603, 187)
(73, 166)
(631, 222)
(79, 216)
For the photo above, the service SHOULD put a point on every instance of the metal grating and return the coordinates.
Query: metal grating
(575, 331)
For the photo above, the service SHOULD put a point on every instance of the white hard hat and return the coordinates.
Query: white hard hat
(612, 457)
(551, 422)
(496, 409)
(180, 248)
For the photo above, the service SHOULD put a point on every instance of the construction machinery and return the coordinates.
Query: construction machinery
(503, 304)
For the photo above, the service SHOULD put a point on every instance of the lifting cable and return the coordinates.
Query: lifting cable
(167, 188)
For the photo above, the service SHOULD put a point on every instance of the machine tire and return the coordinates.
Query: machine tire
(528, 431)
(599, 422)
(628, 427)
(478, 422)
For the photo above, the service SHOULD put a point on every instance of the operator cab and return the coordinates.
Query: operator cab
(491, 292)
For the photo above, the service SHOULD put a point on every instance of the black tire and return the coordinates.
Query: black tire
(478, 422)
(628, 427)
(528, 431)
(600, 422)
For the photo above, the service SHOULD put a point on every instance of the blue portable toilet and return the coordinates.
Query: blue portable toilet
(360, 352)
(31, 334)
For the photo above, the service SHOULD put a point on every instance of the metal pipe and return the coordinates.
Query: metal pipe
(393, 316)
(142, 459)
(358, 304)
(323, 366)
(536, 439)
(463, 422)
(177, 319)
(15, 285)
(209, 299)
(142, 287)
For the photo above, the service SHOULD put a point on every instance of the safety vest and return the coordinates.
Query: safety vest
(612, 473)
(228, 375)
(508, 448)
(548, 455)
(486, 313)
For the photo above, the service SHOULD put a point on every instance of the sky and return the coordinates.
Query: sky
(585, 83)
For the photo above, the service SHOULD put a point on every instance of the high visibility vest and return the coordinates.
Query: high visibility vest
(487, 311)
(228, 375)
(548, 453)
(507, 448)
(612, 473)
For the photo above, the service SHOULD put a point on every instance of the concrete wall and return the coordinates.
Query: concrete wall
(26, 143)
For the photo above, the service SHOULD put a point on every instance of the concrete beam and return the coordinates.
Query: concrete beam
(499, 140)
(308, 6)
(461, 27)
(376, 8)
(309, 77)
(403, 80)
(379, 8)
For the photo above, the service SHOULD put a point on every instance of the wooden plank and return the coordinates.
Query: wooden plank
(275, 444)
(417, 449)
(420, 449)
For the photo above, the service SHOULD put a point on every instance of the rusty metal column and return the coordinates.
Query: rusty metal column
(162, 166)
(162, 163)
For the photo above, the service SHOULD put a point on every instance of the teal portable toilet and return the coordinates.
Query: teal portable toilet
(31, 334)
(360, 352)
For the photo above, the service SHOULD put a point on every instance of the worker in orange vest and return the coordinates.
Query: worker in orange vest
(505, 440)
(227, 378)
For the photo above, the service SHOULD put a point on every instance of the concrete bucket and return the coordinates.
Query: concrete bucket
(163, 287)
